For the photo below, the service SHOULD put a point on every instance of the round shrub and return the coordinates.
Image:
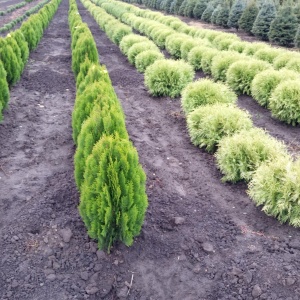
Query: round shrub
(173, 44)
(147, 58)
(30, 35)
(282, 60)
(239, 155)
(275, 187)
(267, 54)
(160, 40)
(119, 32)
(221, 63)
(168, 77)
(207, 59)
(186, 47)
(15, 47)
(238, 46)
(251, 48)
(4, 91)
(223, 43)
(23, 45)
(105, 119)
(294, 64)
(83, 71)
(265, 82)
(203, 92)
(285, 102)
(195, 56)
(208, 124)
(113, 200)
(130, 39)
(241, 73)
(138, 48)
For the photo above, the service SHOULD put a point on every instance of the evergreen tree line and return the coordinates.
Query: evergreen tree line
(277, 21)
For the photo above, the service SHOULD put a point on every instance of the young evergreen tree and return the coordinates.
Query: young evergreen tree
(113, 200)
(190, 8)
(215, 14)
(248, 17)
(199, 9)
(168, 6)
(263, 21)
(284, 27)
(222, 18)
(235, 13)
(4, 90)
(182, 8)
(297, 38)
(206, 16)
(296, 11)
(177, 4)
(23, 45)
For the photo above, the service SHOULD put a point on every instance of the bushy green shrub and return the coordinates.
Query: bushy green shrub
(146, 59)
(195, 56)
(294, 64)
(265, 82)
(168, 77)
(23, 45)
(238, 46)
(189, 10)
(206, 16)
(138, 48)
(4, 91)
(113, 200)
(267, 54)
(214, 15)
(248, 17)
(105, 119)
(160, 40)
(119, 32)
(235, 13)
(182, 8)
(187, 46)
(207, 58)
(129, 40)
(15, 47)
(203, 92)
(285, 102)
(241, 73)
(83, 71)
(275, 186)
(252, 48)
(221, 63)
(282, 60)
(239, 155)
(223, 15)
(199, 8)
(208, 124)
(173, 44)
(297, 38)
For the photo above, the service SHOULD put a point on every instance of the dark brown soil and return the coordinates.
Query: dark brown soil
(223, 247)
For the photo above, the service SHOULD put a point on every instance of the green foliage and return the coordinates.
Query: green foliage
(4, 91)
(252, 48)
(106, 118)
(187, 46)
(297, 38)
(294, 64)
(239, 155)
(195, 56)
(208, 124)
(215, 14)
(223, 15)
(241, 73)
(223, 42)
(119, 32)
(83, 71)
(168, 77)
(189, 10)
(199, 8)
(29, 35)
(235, 13)
(284, 27)
(268, 54)
(23, 45)
(182, 8)
(15, 47)
(207, 58)
(206, 16)
(138, 48)
(265, 82)
(238, 46)
(248, 17)
(160, 39)
(285, 102)
(113, 201)
(282, 60)
(146, 59)
(203, 92)
(176, 7)
(264, 19)
(129, 40)
(275, 186)
(173, 44)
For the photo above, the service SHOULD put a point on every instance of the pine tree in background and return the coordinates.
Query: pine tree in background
(182, 8)
(215, 14)
(222, 18)
(199, 9)
(190, 8)
(284, 27)
(235, 13)
(167, 7)
(206, 16)
(248, 17)
(296, 11)
(177, 4)
(297, 38)
(263, 21)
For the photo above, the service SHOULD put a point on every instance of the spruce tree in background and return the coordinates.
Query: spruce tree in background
(177, 4)
(248, 17)
(263, 21)
(297, 38)
(222, 18)
(167, 7)
(206, 16)
(190, 8)
(215, 14)
(199, 9)
(296, 11)
(235, 13)
(182, 8)
(284, 27)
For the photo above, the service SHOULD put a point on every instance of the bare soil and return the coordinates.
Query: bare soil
(202, 239)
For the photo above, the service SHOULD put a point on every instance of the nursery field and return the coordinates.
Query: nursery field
(201, 238)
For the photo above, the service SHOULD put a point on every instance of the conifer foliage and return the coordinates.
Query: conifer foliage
(236, 12)
(248, 17)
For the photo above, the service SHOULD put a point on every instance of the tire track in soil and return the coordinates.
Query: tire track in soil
(183, 181)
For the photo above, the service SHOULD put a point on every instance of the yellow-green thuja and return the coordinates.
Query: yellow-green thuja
(23, 45)
(4, 91)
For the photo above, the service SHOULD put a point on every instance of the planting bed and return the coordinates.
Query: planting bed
(201, 239)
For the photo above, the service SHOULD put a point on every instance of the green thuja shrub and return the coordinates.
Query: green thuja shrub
(189, 10)
(203, 92)
(83, 71)
(187, 46)
(285, 102)
(252, 48)
(29, 35)
(221, 63)
(284, 27)
(297, 38)
(208, 124)
(282, 60)
(4, 91)
(195, 56)
(223, 15)
(262, 23)
(248, 17)
(215, 14)
(265, 82)
(105, 119)
(113, 200)
(268, 54)
(238, 46)
(15, 47)
(146, 58)
(206, 16)
(173, 44)
(138, 48)
(85, 47)
(199, 8)
(129, 40)
(275, 187)
(176, 7)
(241, 73)
(294, 64)
(207, 58)
(223, 43)
(235, 13)
(182, 8)
(160, 39)
(10, 61)
(239, 155)
(119, 32)
(23, 45)
(168, 77)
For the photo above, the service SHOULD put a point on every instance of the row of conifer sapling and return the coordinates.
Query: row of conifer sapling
(108, 174)
(16, 46)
